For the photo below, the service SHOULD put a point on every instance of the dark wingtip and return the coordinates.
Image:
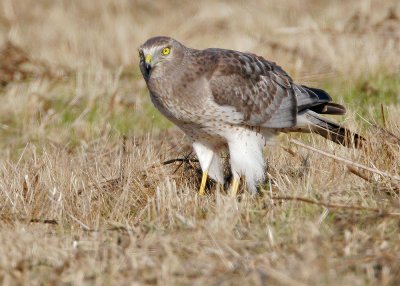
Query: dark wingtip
(336, 109)
(322, 94)
(329, 108)
(324, 104)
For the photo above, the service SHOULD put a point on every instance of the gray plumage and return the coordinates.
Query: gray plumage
(224, 99)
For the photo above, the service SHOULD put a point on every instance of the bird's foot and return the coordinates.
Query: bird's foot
(203, 183)
(235, 186)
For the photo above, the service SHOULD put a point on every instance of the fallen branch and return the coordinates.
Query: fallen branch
(359, 174)
(336, 206)
(346, 161)
(361, 259)
(183, 160)
(45, 221)
(171, 161)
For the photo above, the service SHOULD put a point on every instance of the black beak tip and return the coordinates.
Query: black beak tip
(148, 70)
(145, 69)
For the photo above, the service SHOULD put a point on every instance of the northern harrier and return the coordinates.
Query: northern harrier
(224, 99)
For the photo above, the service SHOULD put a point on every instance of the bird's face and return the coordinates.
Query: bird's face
(156, 54)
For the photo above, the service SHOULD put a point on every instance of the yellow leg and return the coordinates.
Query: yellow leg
(235, 186)
(203, 183)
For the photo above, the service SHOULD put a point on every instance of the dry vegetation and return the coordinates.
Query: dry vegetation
(86, 199)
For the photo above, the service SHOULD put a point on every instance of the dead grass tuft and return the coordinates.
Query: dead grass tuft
(16, 65)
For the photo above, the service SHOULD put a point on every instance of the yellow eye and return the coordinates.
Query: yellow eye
(166, 51)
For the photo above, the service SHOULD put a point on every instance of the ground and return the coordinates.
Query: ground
(91, 193)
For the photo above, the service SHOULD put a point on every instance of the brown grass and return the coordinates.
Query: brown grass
(86, 199)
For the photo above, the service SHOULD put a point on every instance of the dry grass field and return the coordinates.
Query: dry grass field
(90, 193)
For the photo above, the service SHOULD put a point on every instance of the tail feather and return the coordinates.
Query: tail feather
(311, 102)
(332, 131)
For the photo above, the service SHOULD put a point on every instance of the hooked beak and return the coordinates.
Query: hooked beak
(145, 66)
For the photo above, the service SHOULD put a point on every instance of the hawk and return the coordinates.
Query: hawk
(230, 100)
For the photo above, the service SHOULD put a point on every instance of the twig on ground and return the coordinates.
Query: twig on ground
(45, 221)
(180, 165)
(383, 116)
(280, 277)
(361, 259)
(184, 160)
(356, 172)
(337, 206)
(171, 161)
(124, 158)
(346, 161)
(394, 139)
(84, 226)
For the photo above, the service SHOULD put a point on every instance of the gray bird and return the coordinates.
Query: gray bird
(235, 101)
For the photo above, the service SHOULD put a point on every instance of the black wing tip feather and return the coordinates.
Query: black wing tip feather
(329, 108)
(324, 104)
(321, 94)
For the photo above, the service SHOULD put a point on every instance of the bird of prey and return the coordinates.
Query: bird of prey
(230, 100)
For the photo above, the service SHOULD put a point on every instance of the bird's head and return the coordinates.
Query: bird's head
(158, 52)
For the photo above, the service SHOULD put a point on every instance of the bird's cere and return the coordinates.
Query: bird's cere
(148, 59)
